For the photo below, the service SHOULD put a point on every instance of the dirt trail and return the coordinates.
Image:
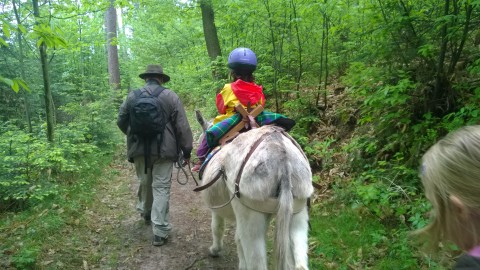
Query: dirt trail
(188, 243)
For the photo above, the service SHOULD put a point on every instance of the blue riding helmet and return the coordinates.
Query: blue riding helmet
(242, 60)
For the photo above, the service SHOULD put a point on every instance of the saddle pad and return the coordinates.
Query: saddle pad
(217, 131)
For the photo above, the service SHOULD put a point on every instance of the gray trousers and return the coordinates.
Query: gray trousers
(154, 193)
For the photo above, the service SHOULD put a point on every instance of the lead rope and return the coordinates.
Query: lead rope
(178, 164)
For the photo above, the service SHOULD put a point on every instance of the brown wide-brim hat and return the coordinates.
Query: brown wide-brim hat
(155, 70)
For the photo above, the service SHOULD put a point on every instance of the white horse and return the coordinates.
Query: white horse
(262, 173)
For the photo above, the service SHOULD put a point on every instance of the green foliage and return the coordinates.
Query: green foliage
(5, 26)
(39, 231)
(28, 164)
(386, 52)
(26, 258)
(320, 152)
(32, 168)
(48, 35)
(386, 156)
(92, 121)
(15, 84)
(23, 174)
(346, 238)
(388, 190)
(469, 114)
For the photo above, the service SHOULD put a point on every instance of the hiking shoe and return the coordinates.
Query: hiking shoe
(159, 241)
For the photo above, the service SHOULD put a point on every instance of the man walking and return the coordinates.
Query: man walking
(157, 129)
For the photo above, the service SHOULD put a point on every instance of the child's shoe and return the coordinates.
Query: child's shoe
(197, 166)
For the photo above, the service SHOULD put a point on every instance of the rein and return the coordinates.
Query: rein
(179, 165)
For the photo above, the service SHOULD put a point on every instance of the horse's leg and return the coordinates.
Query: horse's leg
(218, 229)
(250, 237)
(299, 236)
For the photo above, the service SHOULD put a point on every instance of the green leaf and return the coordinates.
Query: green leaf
(2, 42)
(15, 86)
(23, 84)
(6, 81)
(6, 30)
(22, 29)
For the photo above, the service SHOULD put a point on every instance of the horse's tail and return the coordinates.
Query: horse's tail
(283, 254)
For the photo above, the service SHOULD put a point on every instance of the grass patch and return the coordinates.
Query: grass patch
(345, 238)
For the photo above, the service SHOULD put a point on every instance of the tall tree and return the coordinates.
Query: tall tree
(275, 62)
(111, 28)
(22, 65)
(210, 33)
(49, 107)
(298, 76)
(323, 60)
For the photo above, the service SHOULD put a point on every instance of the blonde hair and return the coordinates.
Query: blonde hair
(452, 168)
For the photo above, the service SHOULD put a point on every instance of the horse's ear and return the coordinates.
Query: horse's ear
(201, 120)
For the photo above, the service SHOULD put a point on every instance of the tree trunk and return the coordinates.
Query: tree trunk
(22, 68)
(274, 58)
(319, 89)
(457, 52)
(327, 37)
(112, 50)
(437, 100)
(49, 107)
(299, 44)
(210, 33)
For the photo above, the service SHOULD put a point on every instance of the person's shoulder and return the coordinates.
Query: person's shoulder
(169, 92)
(132, 93)
(169, 95)
(226, 88)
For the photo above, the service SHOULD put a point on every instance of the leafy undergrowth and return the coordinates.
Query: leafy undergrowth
(345, 238)
(61, 232)
(356, 224)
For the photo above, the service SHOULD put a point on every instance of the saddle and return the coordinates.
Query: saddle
(248, 122)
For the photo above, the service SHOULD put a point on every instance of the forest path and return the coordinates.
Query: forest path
(187, 246)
